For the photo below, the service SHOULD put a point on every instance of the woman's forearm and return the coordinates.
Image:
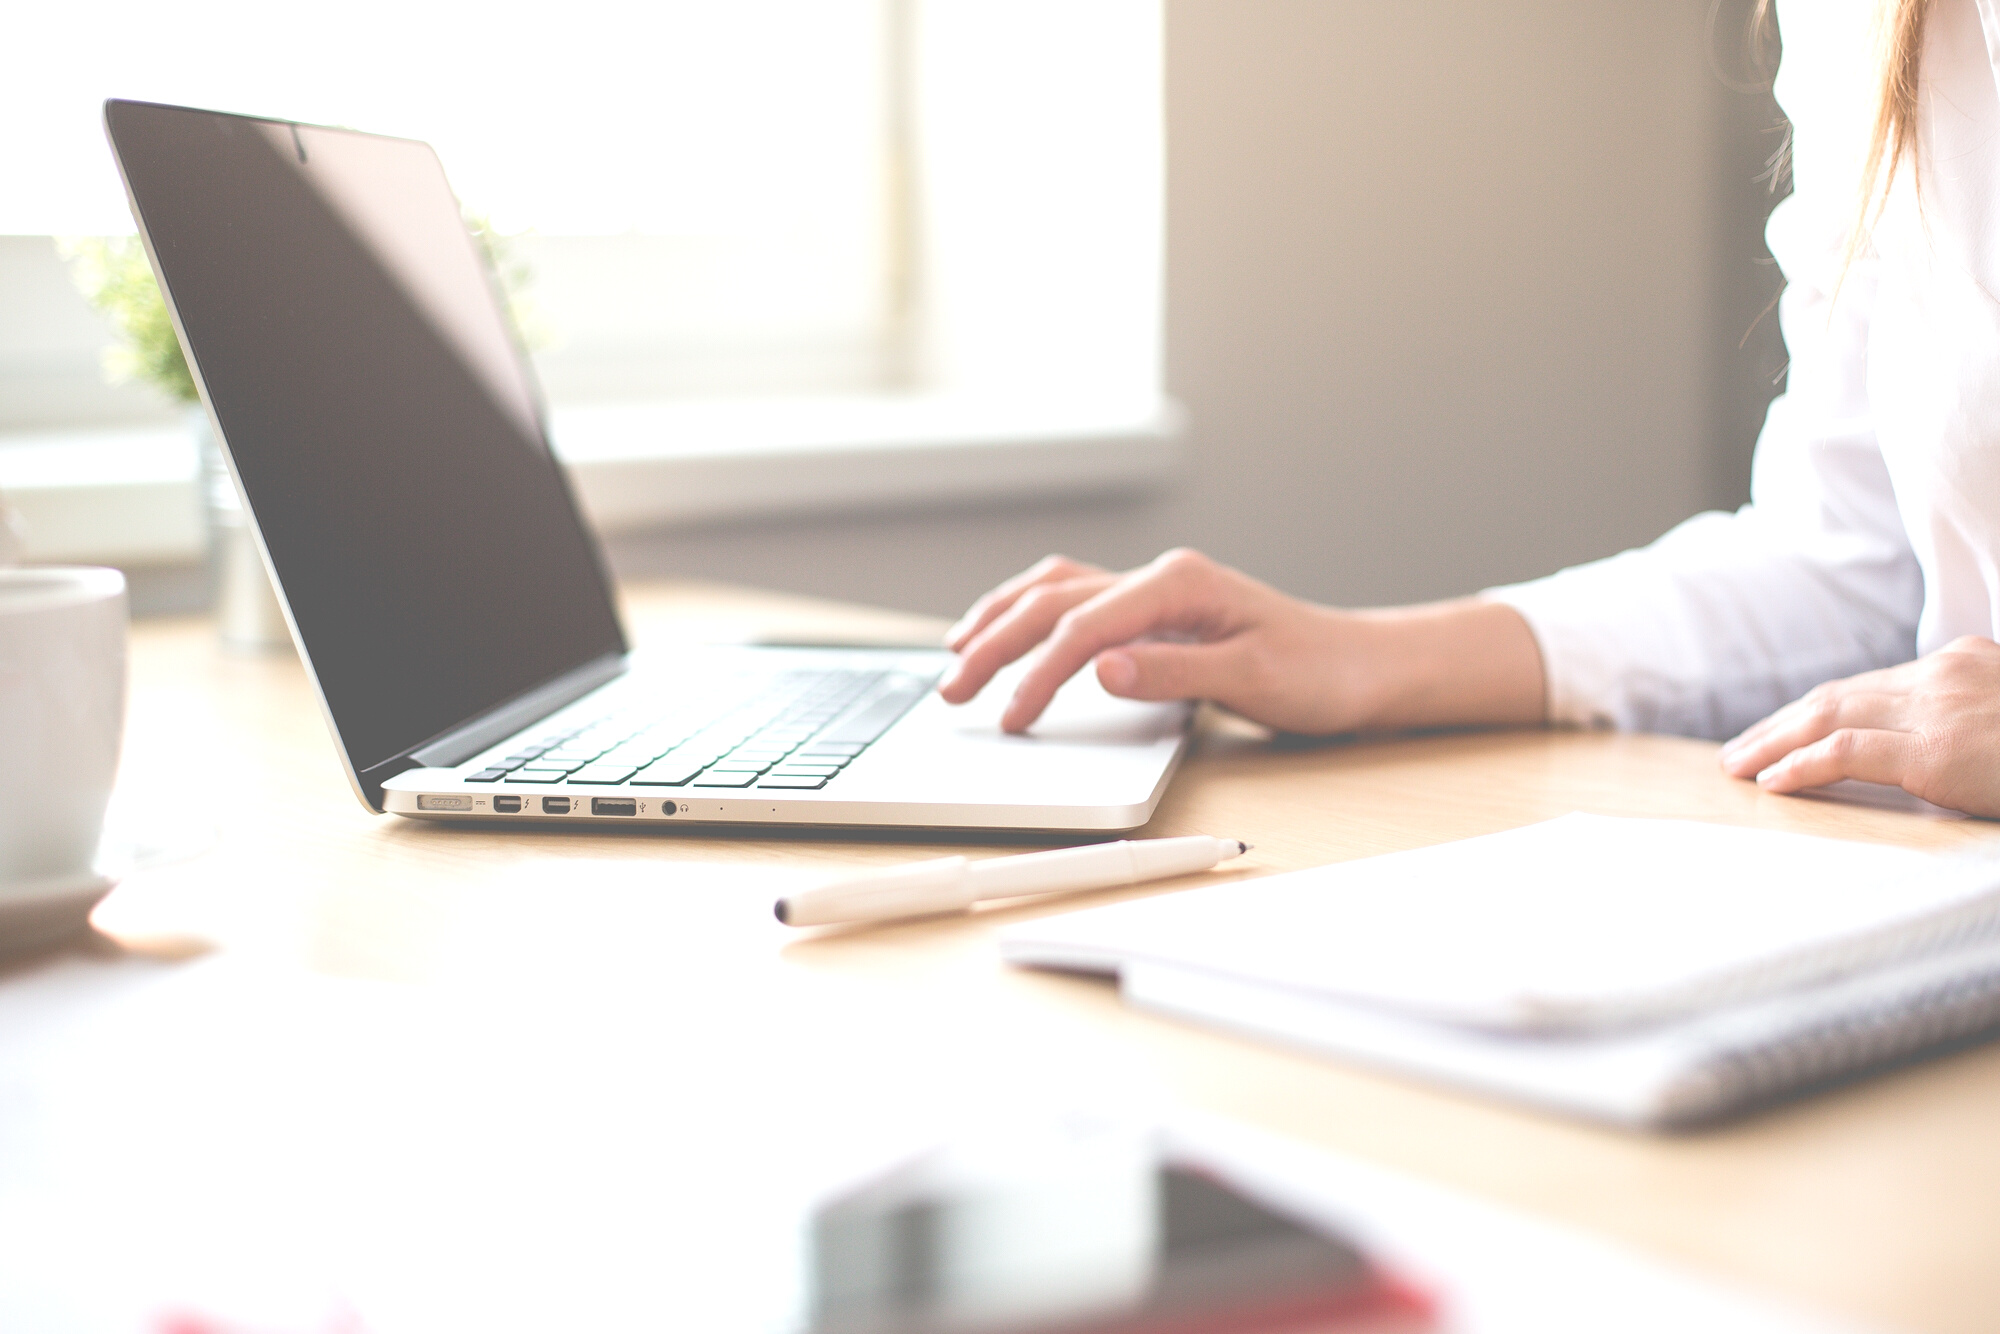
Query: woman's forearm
(1466, 662)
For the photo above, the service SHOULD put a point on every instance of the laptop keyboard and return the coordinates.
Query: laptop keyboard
(797, 731)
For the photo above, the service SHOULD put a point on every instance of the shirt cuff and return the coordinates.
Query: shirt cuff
(1581, 681)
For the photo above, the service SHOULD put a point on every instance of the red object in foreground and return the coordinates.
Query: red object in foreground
(908, 1257)
(342, 1321)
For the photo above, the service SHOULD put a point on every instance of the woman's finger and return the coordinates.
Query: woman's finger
(1025, 623)
(1871, 755)
(1172, 671)
(1047, 570)
(1170, 594)
(1784, 716)
(1820, 713)
(1897, 680)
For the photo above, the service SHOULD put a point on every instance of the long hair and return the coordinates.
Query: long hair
(1899, 52)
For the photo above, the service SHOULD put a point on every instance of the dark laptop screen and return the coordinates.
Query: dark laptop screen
(381, 420)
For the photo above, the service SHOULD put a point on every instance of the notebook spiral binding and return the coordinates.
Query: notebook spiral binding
(1970, 924)
(1861, 1025)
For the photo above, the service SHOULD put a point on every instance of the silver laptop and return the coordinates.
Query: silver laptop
(449, 603)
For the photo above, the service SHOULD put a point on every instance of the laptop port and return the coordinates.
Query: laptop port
(555, 805)
(506, 805)
(614, 805)
(430, 803)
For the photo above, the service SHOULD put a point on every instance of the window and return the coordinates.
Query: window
(781, 228)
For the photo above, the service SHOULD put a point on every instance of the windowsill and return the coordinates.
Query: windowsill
(128, 496)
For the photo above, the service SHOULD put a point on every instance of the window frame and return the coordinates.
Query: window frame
(979, 398)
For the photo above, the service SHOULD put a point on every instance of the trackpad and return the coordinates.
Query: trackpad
(1081, 712)
(1088, 748)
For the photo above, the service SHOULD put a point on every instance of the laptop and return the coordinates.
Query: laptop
(452, 608)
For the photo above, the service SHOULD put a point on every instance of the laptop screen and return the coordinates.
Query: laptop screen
(380, 417)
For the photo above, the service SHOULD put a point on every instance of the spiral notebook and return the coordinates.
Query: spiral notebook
(1648, 972)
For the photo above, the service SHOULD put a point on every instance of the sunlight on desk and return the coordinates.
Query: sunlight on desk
(470, 1046)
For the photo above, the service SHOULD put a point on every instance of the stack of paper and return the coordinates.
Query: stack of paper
(1654, 972)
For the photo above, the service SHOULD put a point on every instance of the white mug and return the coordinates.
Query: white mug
(62, 714)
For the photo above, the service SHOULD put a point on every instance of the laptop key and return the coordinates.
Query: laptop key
(486, 776)
(805, 771)
(875, 717)
(665, 774)
(800, 782)
(538, 776)
(839, 750)
(602, 773)
(725, 778)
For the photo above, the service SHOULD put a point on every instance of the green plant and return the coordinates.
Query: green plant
(511, 271)
(115, 276)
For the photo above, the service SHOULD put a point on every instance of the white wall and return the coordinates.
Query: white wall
(1454, 296)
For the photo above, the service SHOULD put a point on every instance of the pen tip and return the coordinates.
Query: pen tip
(781, 908)
(1241, 847)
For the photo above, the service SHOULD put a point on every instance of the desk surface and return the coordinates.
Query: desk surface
(1879, 1202)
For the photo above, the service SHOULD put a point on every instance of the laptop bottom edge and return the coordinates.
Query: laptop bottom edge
(753, 809)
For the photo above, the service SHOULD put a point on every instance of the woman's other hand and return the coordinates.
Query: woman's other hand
(1930, 727)
(1185, 627)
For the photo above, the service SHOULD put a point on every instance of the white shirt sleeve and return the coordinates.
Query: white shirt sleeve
(1729, 616)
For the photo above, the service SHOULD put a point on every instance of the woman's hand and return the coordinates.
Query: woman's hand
(1930, 727)
(1185, 627)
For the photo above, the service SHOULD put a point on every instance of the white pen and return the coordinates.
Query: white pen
(953, 884)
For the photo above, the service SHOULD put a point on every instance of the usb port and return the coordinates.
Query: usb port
(614, 805)
(555, 805)
(506, 805)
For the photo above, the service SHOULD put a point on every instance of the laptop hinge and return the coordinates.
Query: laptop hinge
(461, 743)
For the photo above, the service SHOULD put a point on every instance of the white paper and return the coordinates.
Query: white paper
(1580, 922)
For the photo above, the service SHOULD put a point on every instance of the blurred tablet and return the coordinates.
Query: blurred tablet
(1100, 1237)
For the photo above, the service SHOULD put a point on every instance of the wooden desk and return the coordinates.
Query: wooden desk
(1879, 1202)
